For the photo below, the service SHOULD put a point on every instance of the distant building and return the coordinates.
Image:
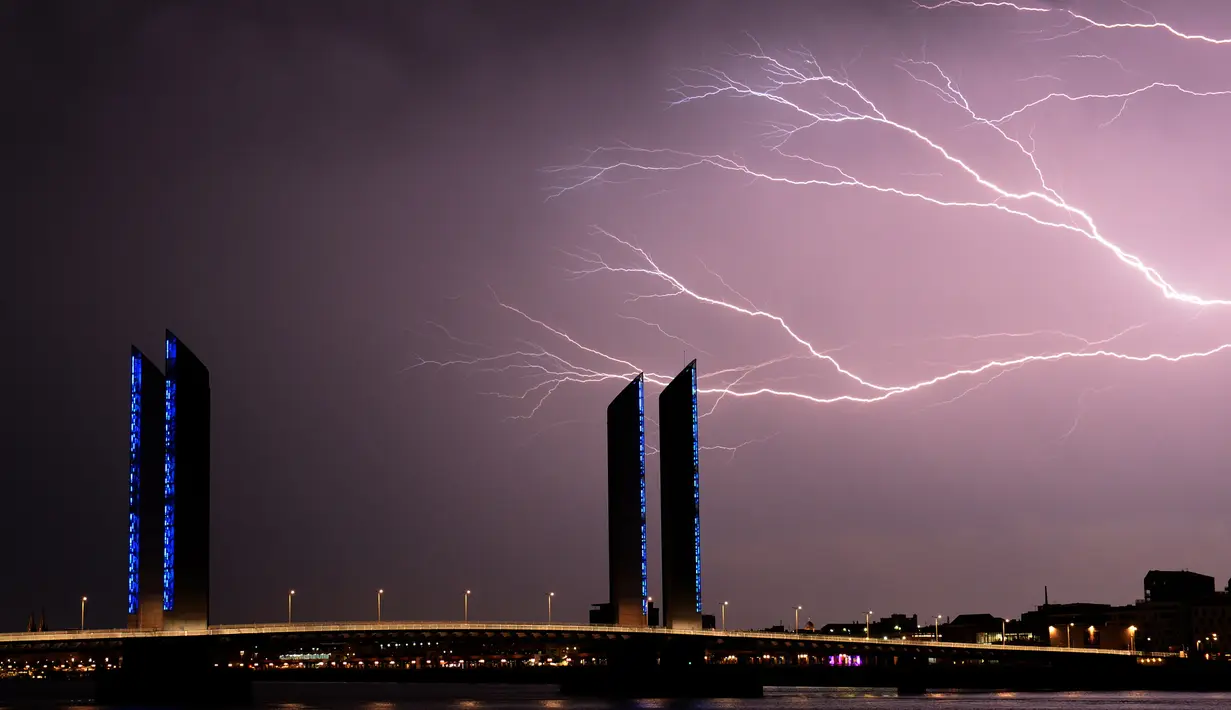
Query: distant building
(1062, 624)
(186, 489)
(975, 628)
(602, 614)
(894, 626)
(1211, 624)
(680, 499)
(626, 538)
(1183, 586)
(146, 458)
(1181, 612)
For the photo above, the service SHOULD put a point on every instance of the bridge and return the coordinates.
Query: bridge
(419, 644)
(714, 662)
(588, 638)
(170, 648)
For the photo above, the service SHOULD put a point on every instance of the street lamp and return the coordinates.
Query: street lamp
(466, 607)
(83, 613)
(1132, 636)
(724, 615)
(290, 595)
(797, 610)
(549, 596)
(1068, 635)
(867, 625)
(1004, 623)
(937, 628)
(379, 593)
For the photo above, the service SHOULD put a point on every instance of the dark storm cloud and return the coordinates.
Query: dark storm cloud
(300, 189)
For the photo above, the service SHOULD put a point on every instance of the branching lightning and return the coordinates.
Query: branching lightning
(836, 99)
(1086, 21)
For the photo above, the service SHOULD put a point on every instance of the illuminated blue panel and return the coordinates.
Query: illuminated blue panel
(696, 490)
(168, 507)
(134, 482)
(645, 587)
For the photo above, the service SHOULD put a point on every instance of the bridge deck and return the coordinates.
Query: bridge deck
(596, 630)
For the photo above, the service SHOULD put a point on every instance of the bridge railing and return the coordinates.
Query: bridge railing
(459, 626)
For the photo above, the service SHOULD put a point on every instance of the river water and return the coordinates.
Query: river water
(344, 696)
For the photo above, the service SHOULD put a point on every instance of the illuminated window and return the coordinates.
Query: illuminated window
(696, 489)
(134, 482)
(645, 587)
(168, 507)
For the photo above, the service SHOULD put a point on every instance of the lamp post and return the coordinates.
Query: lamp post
(466, 607)
(1068, 635)
(83, 599)
(797, 610)
(724, 615)
(379, 593)
(289, 596)
(1132, 636)
(867, 625)
(938, 628)
(1004, 624)
(549, 596)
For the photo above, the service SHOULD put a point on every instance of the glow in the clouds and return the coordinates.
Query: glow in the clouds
(836, 100)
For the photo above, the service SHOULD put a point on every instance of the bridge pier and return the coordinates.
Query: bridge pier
(663, 667)
(171, 671)
(911, 673)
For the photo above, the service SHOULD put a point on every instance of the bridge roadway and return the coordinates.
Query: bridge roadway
(591, 636)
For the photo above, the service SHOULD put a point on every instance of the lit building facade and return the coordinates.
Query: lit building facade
(626, 534)
(185, 543)
(145, 492)
(680, 482)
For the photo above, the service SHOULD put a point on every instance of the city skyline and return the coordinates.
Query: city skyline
(320, 238)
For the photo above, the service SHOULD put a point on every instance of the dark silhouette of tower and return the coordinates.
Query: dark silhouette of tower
(680, 482)
(626, 545)
(185, 559)
(146, 460)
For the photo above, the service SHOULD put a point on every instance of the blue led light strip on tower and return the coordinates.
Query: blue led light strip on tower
(134, 482)
(168, 507)
(645, 587)
(696, 490)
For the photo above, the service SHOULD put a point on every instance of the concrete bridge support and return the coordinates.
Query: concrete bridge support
(171, 671)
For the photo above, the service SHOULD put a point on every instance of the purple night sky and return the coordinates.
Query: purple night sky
(328, 201)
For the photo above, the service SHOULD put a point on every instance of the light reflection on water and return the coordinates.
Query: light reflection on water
(345, 696)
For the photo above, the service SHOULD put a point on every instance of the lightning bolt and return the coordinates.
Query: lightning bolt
(838, 100)
(1087, 21)
(778, 77)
